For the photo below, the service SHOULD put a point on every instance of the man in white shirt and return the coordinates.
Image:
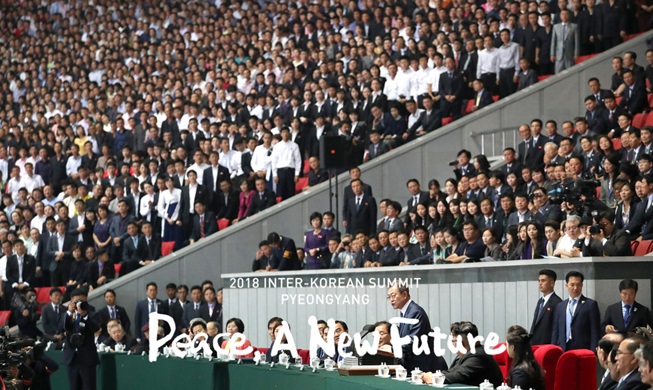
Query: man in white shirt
(74, 162)
(199, 166)
(31, 180)
(433, 86)
(487, 68)
(286, 165)
(262, 159)
(508, 54)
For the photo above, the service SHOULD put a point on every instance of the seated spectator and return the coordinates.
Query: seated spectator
(263, 198)
(383, 329)
(645, 355)
(236, 325)
(100, 270)
(628, 363)
(284, 253)
(345, 255)
(204, 223)
(607, 240)
(552, 234)
(567, 243)
(492, 247)
(275, 332)
(119, 339)
(262, 260)
(143, 345)
(470, 249)
(535, 244)
(524, 371)
(24, 308)
(472, 367)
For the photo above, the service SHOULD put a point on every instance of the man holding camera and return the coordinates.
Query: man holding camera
(79, 352)
(606, 239)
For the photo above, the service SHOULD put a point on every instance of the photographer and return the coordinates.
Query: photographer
(345, 254)
(43, 366)
(80, 353)
(606, 239)
(541, 208)
(24, 310)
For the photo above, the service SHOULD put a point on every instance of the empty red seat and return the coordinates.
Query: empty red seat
(576, 370)
(279, 199)
(631, 36)
(649, 118)
(43, 295)
(495, 97)
(167, 248)
(116, 268)
(544, 77)
(633, 246)
(639, 120)
(301, 183)
(223, 223)
(503, 360)
(447, 120)
(643, 248)
(468, 107)
(548, 355)
(584, 58)
(650, 99)
(305, 354)
(263, 350)
(616, 143)
(4, 317)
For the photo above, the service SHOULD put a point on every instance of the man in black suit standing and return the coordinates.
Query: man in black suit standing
(21, 268)
(51, 315)
(512, 165)
(543, 319)
(131, 251)
(59, 252)
(597, 115)
(111, 312)
(451, 88)
(576, 320)
(192, 310)
(204, 223)
(529, 153)
(143, 309)
(626, 315)
(190, 194)
(262, 198)
(79, 353)
(354, 173)
(360, 215)
(399, 298)
(213, 176)
(172, 307)
(210, 311)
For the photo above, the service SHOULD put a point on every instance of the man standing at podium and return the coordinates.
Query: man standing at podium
(399, 298)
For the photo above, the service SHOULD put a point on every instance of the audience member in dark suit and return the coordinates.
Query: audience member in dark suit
(51, 315)
(118, 336)
(131, 250)
(204, 223)
(193, 307)
(186, 207)
(634, 95)
(429, 120)
(227, 201)
(464, 166)
(145, 307)
(482, 97)
(377, 146)
(284, 253)
(361, 211)
(611, 241)
(150, 244)
(212, 177)
(399, 297)
(526, 76)
(628, 364)
(525, 372)
(173, 308)
(100, 270)
(577, 321)
(112, 312)
(451, 89)
(79, 353)
(542, 326)
(472, 367)
(59, 252)
(262, 198)
(626, 315)
(21, 268)
(597, 116)
(210, 311)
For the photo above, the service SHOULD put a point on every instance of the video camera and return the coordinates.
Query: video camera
(12, 353)
(576, 194)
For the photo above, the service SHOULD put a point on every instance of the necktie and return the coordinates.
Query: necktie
(422, 251)
(415, 200)
(570, 316)
(478, 99)
(457, 59)
(540, 308)
(152, 308)
(489, 222)
(564, 31)
(226, 199)
(113, 313)
(100, 268)
(202, 235)
(210, 310)
(626, 314)
(78, 320)
(135, 239)
(610, 116)
(197, 306)
(358, 202)
(56, 310)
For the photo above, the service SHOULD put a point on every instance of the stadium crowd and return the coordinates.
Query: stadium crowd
(126, 128)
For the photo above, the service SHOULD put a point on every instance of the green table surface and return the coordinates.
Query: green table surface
(243, 377)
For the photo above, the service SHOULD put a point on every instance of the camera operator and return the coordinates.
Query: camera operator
(43, 366)
(24, 310)
(80, 353)
(345, 255)
(606, 239)
(541, 208)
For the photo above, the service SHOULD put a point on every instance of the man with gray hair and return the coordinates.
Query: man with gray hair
(628, 364)
(567, 242)
(607, 343)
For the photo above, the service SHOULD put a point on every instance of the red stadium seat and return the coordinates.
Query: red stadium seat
(447, 120)
(167, 248)
(503, 360)
(301, 183)
(223, 223)
(616, 143)
(631, 36)
(263, 350)
(617, 99)
(544, 77)
(43, 295)
(116, 268)
(643, 248)
(495, 97)
(639, 120)
(468, 107)
(4, 317)
(598, 192)
(307, 167)
(649, 118)
(279, 199)
(633, 246)
(650, 99)
(548, 355)
(584, 58)
(305, 354)
(576, 370)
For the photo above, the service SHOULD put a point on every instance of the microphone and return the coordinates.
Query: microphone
(367, 329)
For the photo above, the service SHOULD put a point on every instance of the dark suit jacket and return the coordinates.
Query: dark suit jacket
(380, 149)
(634, 226)
(184, 202)
(636, 101)
(87, 235)
(535, 152)
(53, 247)
(411, 361)
(598, 120)
(151, 251)
(486, 99)
(541, 328)
(229, 210)
(204, 312)
(190, 313)
(92, 274)
(131, 253)
(428, 122)
(474, 368)
(103, 316)
(210, 225)
(585, 325)
(632, 382)
(362, 218)
(261, 203)
(176, 312)
(618, 244)
(142, 316)
(618, 215)
(86, 355)
(639, 316)
(50, 320)
(29, 269)
(451, 85)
